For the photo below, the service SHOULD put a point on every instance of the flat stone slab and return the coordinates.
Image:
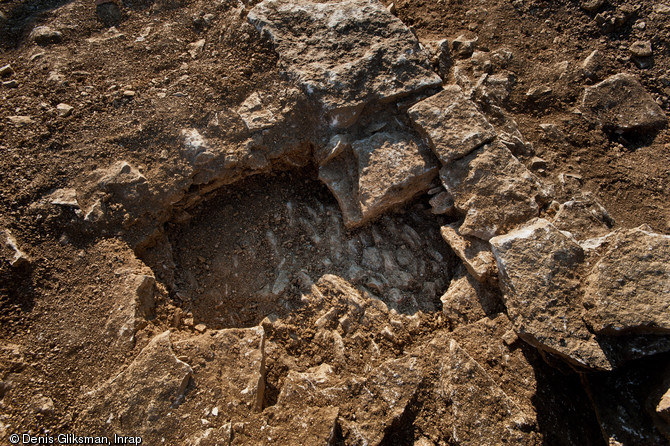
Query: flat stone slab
(345, 54)
(620, 102)
(584, 217)
(539, 267)
(493, 190)
(137, 400)
(475, 253)
(451, 124)
(628, 290)
(375, 174)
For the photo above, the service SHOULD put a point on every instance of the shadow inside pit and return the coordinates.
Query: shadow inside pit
(565, 415)
(17, 294)
(253, 250)
(22, 17)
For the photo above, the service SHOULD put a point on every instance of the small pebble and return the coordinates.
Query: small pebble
(64, 110)
(6, 70)
(641, 48)
(10, 84)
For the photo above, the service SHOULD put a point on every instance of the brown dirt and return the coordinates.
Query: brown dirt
(46, 345)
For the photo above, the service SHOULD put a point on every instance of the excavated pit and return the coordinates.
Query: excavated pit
(255, 247)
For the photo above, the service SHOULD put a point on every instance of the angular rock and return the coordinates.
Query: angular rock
(19, 259)
(475, 253)
(467, 301)
(136, 401)
(494, 191)
(628, 290)
(376, 402)
(21, 121)
(134, 302)
(480, 408)
(451, 124)
(442, 203)
(261, 111)
(621, 103)
(584, 217)
(663, 407)
(64, 197)
(378, 173)
(234, 375)
(538, 268)
(64, 110)
(44, 35)
(345, 54)
(641, 48)
(299, 426)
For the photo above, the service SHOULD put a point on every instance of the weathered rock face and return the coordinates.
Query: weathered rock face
(494, 191)
(451, 124)
(234, 375)
(628, 290)
(136, 401)
(584, 217)
(345, 55)
(374, 174)
(467, 300)
(482, 410)
(475, 253)
(621, 103)
(133, 303)
(538, 267)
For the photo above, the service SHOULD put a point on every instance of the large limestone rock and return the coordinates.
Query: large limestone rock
(621, 103)
(345, 54)
(372, 403)
(475, 253)
(137, 400)
(234, 375)
(451, 123)
(628, 290)
(480, 408)
(494, 191)
(467, 300)
(538, 266)
(584, 217)
(375, 174)
(134, 302)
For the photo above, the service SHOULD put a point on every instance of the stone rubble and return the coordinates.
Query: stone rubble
(621, 103)
(339, 57)
(555, 278)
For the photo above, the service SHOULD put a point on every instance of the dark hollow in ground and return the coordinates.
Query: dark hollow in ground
(254, 248)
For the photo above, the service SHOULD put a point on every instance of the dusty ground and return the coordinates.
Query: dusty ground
(132, 89)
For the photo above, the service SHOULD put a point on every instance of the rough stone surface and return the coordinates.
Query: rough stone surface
(387, 391)
(15, 255)
(480, 408)
(134, 302)
(44, 35)
(538, 266)
(235, 370)
(628, 290)
(451, 123)
(345, 55)
(493, 190)
(467, 300)
(584, 217)
(378, 173)
(621, 103)
(663, 407)
(136, 401)
(475, 253)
